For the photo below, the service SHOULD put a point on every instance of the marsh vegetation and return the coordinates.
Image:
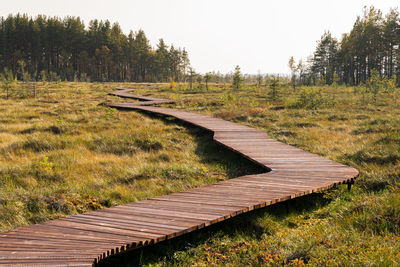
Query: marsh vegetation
(63, 153)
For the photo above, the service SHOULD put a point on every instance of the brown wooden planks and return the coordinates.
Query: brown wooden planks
(83, 240)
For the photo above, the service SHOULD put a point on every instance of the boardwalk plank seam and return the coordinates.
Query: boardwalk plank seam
(86, 239)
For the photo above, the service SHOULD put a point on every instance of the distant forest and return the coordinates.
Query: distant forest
(64, 49)
(373, 44)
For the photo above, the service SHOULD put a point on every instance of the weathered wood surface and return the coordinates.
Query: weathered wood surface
(84, 239)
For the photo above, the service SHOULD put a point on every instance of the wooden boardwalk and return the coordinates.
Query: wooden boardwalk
(84, 239)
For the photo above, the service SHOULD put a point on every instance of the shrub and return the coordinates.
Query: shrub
(310, 98)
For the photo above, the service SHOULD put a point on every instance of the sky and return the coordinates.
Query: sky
(257, 35)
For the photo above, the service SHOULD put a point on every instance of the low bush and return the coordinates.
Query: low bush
(311, 98)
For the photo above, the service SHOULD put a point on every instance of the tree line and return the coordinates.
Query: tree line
(373, 44)
(65, 49)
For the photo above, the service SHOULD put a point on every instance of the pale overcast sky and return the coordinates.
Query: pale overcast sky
(219, 34)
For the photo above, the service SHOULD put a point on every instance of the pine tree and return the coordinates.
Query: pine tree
(324, 62)
(237, 78)
(162, 60)
(274, 88)
(207, 78)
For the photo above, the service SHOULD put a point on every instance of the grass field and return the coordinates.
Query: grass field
(63, 153)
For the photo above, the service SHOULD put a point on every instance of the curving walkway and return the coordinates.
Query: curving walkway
(83, 240)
